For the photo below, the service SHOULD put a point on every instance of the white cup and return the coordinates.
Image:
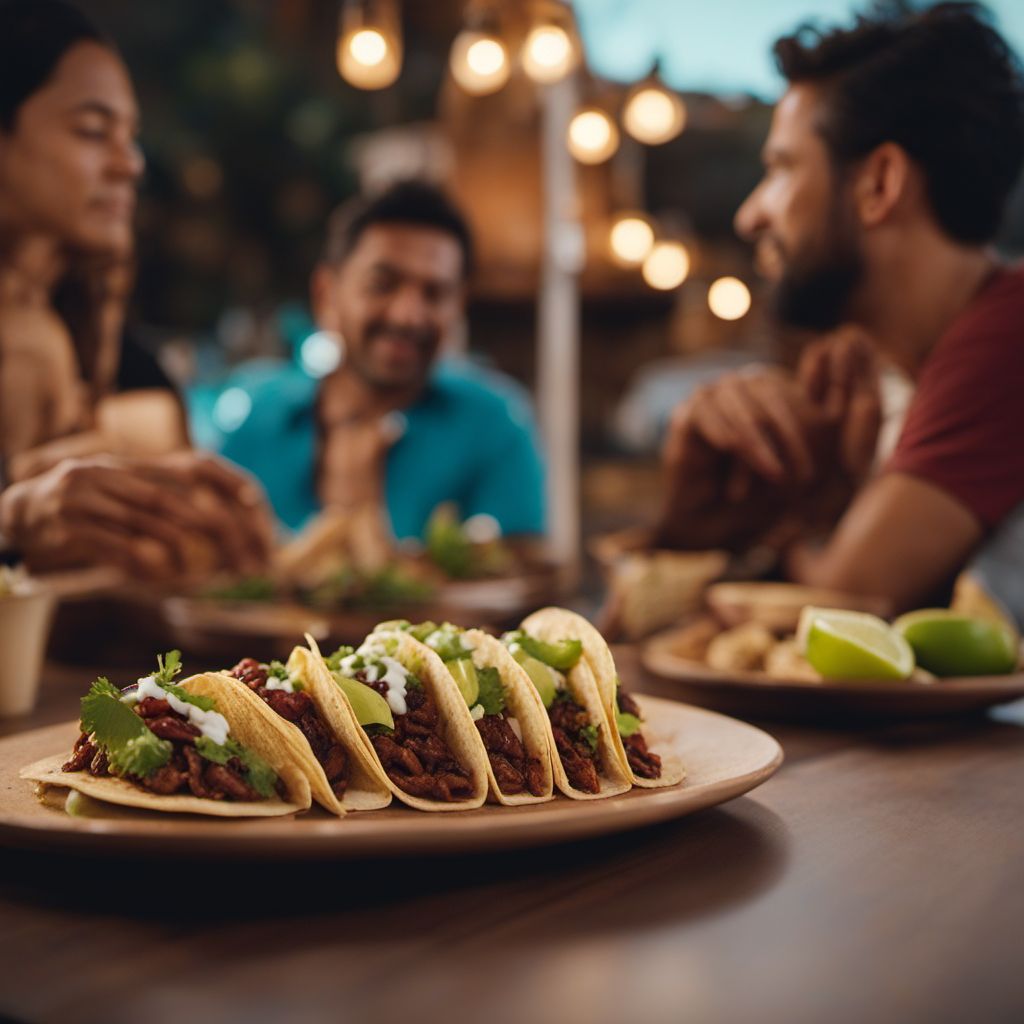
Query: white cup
(24, 630)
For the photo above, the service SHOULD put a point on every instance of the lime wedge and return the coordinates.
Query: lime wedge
(369, 706)
(950, 644)
(853, 645)
(542, 676)
(463, 671)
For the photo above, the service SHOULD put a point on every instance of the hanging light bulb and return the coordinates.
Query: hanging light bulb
(479, 61)
(592, 136)
(369, 52)
(630, 239)
(729, 298)
(550, 51)
(652, 114)
(666, 265)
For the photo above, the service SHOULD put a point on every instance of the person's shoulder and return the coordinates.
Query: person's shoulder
(997, 313)
(986, 340)
(481, 391)
(1007, 285)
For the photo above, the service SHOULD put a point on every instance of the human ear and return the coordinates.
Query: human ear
(881, 184)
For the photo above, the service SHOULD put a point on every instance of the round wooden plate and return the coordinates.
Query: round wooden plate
(723, 758)
(758, 692)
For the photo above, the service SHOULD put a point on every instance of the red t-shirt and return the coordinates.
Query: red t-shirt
(964, 430)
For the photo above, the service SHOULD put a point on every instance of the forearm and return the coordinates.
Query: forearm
(901, 540)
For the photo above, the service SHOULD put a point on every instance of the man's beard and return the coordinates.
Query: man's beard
(817, 296)
(378, 377)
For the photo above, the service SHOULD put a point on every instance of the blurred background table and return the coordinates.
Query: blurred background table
(879, 875)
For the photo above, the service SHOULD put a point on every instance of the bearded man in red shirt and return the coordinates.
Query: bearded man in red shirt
(886, 171)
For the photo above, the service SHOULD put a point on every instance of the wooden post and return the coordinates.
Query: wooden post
(558, 326)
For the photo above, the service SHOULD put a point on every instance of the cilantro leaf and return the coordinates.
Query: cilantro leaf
(105, 686)
(335, 591)
(257, 772)
(142, 755)
(203, 703)
(628, 724)
(219, 753)
(130, 746)
(446, 640)
(278, 670)
(389, 645)
(169, 666)
(422, 630)
(562, 656)
(398, 626)
(391, 585)
(334, 660)
(588, 734)
(377, 729)
(447, 545)
(492, 692)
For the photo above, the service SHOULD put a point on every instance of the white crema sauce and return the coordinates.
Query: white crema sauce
(213, 725)
(381, 667)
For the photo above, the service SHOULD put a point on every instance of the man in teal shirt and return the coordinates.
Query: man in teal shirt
(392, 423)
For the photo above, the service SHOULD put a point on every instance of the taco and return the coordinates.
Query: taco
(503, 704)
(584, 760)
(644, 767)
(201, 746)
(324, 732)
(415, 723)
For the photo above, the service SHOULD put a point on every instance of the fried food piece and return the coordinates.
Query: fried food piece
(784, 661)
(740, 649)
(972, 599)
(650, 590)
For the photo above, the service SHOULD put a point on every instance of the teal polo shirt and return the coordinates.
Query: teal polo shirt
(470, 438)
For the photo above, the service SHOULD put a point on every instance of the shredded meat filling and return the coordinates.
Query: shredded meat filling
(415, 756)
(186, 772)
(642, 762)
(299, 709)
(627, 705)
(514, 770)
(579, 759)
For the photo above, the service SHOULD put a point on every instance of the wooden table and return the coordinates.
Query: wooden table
(878, 877)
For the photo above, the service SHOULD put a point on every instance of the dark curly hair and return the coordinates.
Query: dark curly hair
(406, 202)
(941, 83)
(34, 36)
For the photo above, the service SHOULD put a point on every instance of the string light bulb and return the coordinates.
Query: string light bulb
(666, 265)
(369, 50)
(652, 114)
(729, 298)
(479, 62)
(592, 136)
(549, 53)
(630, 239)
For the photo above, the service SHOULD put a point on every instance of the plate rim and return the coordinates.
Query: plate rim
(321, 836)
(657, 658)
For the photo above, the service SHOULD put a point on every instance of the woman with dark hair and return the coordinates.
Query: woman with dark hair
(87, 476)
